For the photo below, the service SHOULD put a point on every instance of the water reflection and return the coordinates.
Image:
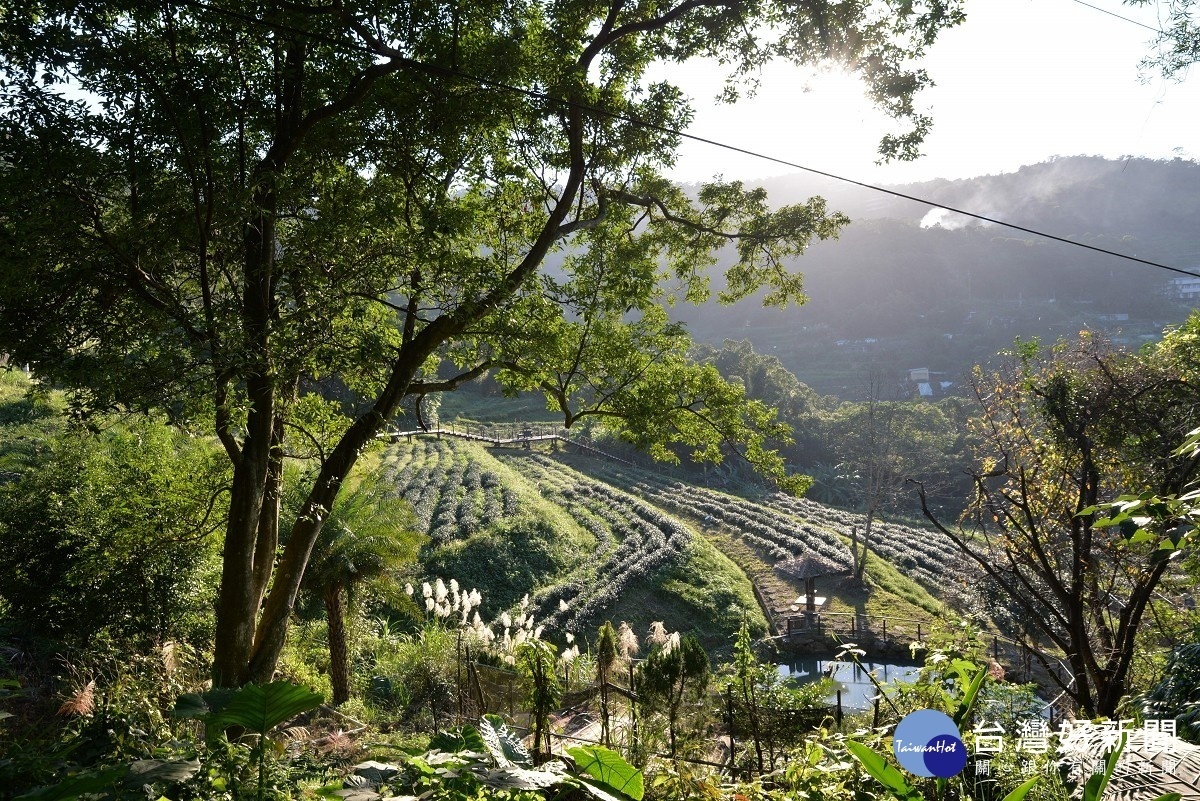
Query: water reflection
(857, 689)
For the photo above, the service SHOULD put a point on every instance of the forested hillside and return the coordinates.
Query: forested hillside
(908, 286)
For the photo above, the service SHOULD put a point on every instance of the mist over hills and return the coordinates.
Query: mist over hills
(911, 286)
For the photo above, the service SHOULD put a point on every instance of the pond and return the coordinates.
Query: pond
(857, 689)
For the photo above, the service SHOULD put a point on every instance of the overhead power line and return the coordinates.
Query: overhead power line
(431, 69)
(1130, 20)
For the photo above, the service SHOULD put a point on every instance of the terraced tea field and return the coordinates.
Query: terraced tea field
(516, 522)
(590, 540)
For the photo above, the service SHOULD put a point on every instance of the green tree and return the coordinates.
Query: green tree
(369, 535)
(672, 674)
(1178, 44)
(745, 683)
(113, 531)
(606, 662)
(208, 207)
(1061, 433)
(535, 660)
(881, 445)
(766, 379)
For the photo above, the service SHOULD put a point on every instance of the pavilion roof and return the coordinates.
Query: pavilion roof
(811, 565)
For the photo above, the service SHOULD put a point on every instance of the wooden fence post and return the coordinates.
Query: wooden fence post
(633, 732)
(732, 746)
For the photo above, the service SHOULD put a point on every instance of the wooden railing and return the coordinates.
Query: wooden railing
(508, 435)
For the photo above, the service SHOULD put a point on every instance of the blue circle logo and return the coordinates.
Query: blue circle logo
(927, 743)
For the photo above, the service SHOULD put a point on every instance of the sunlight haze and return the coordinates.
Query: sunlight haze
(1019, 82)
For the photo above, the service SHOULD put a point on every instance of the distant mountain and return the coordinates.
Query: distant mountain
(1075, 196)
(908, 285)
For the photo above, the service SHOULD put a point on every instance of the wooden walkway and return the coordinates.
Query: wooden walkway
(518, 436)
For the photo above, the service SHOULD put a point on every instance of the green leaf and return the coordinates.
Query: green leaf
(1022, 790)
(599, 790)
(608, 770)
(503, 744)
(1094, 789)
(146, 771)
(884, 773)
(968, 700)
(1170, 797)
(191, 706)
(83, 784)
(457, 740)
(260, 709)
(517, 778)
(201, 706)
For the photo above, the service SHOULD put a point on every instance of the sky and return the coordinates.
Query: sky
(1019, 82)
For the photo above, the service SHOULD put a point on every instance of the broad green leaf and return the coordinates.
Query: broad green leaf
(200, 706)
(191, 706)
(145, 771)
(462, 738)
(357, 794)
(600, 790)
(1170, 797)
(609, 770)
(75, 786)
(517, 778)
(260, 709)
(1023, 790)
(504, 745)
(375, 773)
(884, 773)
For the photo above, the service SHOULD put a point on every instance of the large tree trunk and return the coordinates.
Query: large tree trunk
(271, 631)
(267, 540)
(236, 604)
(339, 653)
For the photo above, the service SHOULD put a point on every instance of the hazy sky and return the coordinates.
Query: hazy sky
(1019, 82)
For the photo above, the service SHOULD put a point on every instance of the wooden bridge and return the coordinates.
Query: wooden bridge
(514, 435)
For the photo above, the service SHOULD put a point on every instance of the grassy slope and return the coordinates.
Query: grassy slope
(702, 591)
(707, 590)
(706, 594)
(26, 422)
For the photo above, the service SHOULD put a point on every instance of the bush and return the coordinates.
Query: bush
(113, 532)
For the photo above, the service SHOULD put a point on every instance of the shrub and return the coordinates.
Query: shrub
(114, 532)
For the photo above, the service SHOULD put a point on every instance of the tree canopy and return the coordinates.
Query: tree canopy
(1061, 433)
(209, 208)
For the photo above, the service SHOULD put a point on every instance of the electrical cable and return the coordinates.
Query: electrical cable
(431, 69)
(1131, 21)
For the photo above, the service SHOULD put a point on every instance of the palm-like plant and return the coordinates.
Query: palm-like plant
(370, 535)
